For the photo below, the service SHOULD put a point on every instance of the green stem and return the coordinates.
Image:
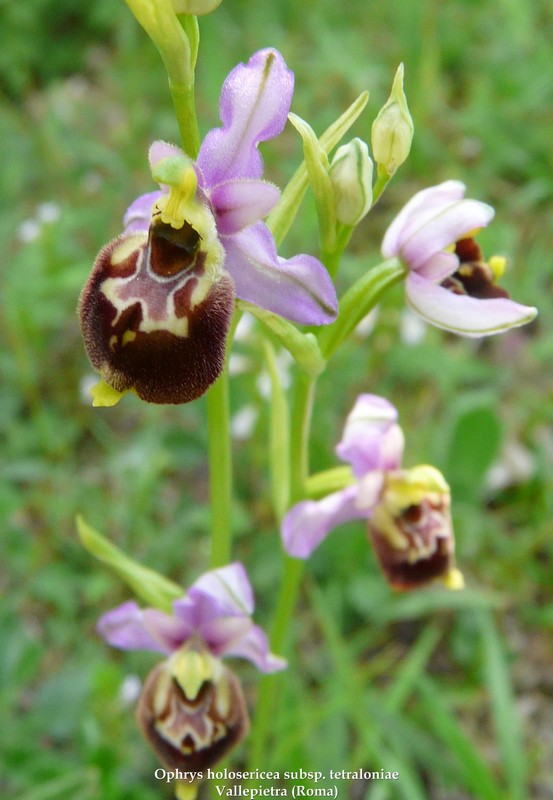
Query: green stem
(185, 110)
(293, 568)
(359, 299)
(333, 258)
(182, 91)
(299, 472)
(279, 436)
(382, 180)
(177, 38)
(219, 449)
(302, 409)
(220, 471)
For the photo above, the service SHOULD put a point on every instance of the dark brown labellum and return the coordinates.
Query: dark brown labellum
(192, 734)
(153, 319)
(427, 552)
(473, 277)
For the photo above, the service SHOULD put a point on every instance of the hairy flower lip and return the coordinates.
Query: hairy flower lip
(191, 736)
(161, 335)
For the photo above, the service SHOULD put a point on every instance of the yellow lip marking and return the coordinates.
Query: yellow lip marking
(127, 246)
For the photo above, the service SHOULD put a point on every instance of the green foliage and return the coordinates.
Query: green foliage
(49, 40)
(430, 684)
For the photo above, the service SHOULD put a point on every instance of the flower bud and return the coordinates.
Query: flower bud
(196, 7)
(159, 20)
(392, 130)
(351, 173)
(412, 531)
(154, 317)
(192, 710)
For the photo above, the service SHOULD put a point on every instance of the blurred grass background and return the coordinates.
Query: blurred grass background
(453, 690)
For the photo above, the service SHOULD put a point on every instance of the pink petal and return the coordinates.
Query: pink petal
(372, 439)
(453, 222)
(308, 523)
(439, 267)
(461, 314)
(255, 647)
(138, 214)
(222, 633)
(298, 288)
(224, 592)
(370, 490)
(255, 101)
(423, 206)
(131, 628)
(240, 203)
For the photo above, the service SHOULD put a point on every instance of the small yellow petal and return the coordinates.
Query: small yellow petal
(186, 791)
(454, 580)
(104, 395)
(497, 265)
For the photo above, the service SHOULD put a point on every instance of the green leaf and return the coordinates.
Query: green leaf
(78, 783)
(365, 709)
(473, 443)
(433, 600)
(412, 667)
(505, 717)
(148, 585)
(477, 777)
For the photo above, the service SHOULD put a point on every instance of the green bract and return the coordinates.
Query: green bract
(318, 170)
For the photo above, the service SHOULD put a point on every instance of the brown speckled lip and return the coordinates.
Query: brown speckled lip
(405, 573)
(227, 730)
(159, 365)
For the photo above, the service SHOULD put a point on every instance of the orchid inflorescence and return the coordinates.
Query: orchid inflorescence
(157, 318)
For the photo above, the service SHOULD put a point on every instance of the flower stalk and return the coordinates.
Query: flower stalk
(177, 41)
(302, 410)
(220, 471)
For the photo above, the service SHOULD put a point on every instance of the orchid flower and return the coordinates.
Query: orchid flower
(449, 284)
(192, 709)
(408, 510)
(157, 306)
